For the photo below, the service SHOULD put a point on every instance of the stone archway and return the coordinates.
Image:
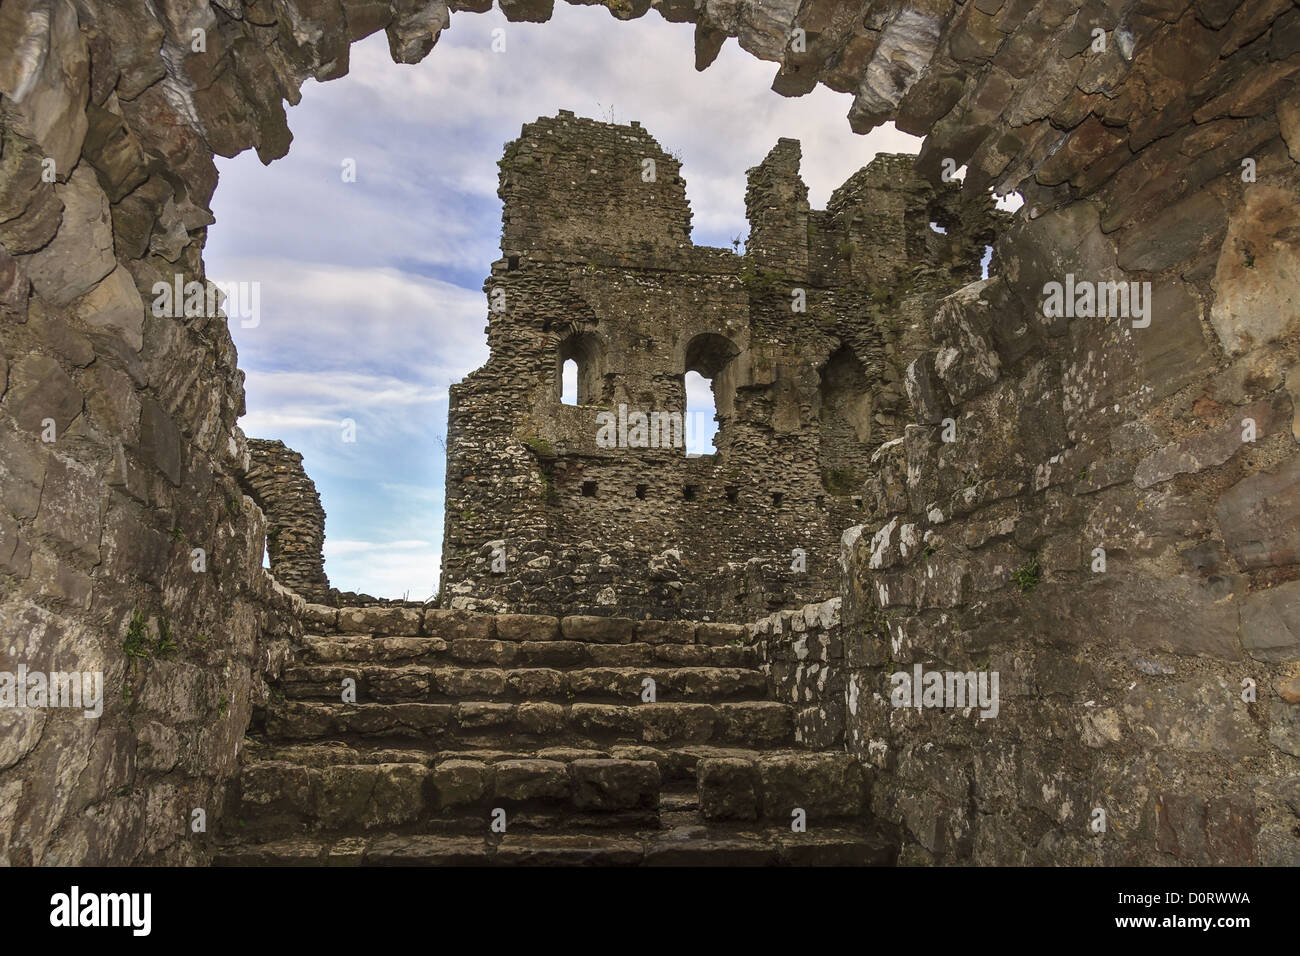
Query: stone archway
(1154, 144)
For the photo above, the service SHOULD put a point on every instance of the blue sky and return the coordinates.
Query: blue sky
(371, 291)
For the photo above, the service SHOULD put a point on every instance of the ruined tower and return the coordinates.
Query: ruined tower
(804, 339)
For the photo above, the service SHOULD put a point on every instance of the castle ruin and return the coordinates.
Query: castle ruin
(1101, 511)
(560, 509)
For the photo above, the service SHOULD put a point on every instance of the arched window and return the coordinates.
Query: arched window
(580, 369)
(708, 391)
(569, 382)
(701, 415)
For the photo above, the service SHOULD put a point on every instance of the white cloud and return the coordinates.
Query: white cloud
(384, 569)
(339, 548)
(316, 314)
(268, 422)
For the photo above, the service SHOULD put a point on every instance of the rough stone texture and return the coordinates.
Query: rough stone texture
(803, 653)
(981, 556)
(295, 532)
(1130, 161)
(598, 266)
(436, 744)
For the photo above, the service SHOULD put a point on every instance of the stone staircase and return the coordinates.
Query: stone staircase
(462, 720)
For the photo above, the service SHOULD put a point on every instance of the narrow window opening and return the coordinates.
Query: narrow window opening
(701, 411)
(733, 494)
(709, 391)
(641, 490)
(688, 493)
(588, 489)
(777, 498)
(569, 383)
(579, 369)
(512, 263)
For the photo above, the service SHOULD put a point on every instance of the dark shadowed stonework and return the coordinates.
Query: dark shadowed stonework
(1154, 142)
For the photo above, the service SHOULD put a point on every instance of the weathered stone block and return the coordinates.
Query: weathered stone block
(1260, 517)
(1270, 623)
(614, 784)
(45, 73)
(1284, 726)
(719, 635)
(922, 391)
(527, 627)
(1202, 716)
(539, 717)
(823, 785)
(728, 788)
(454, 625)
(72, 508)
(667, 632)
(1256, 300)
(380, 620)
(1205, 828)
(1216, 446)
(319, 619)
(478, 715)
(461, 782)
(115, 304)
(370, 796)
(522, 780)
(598, 630)
(81, 253)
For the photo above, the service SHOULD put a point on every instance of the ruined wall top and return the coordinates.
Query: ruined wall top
(803, 340)
(295, 530)
(575, 187)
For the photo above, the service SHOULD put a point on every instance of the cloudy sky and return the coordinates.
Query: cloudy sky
(371, 291)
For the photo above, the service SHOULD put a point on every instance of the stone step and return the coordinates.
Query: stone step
(505, 725)
(286, 789)
(383, 683)
(681, 846)
(497, 653)
(368, 796)
(809, 785)
(725, 780)
(377, 621)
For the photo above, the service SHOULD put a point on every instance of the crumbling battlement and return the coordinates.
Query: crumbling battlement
(804, 338)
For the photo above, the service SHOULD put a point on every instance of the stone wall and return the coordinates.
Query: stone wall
(1133, 148)
(1109, 531)
(295, 530)
(598, 266)
(803, 655)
